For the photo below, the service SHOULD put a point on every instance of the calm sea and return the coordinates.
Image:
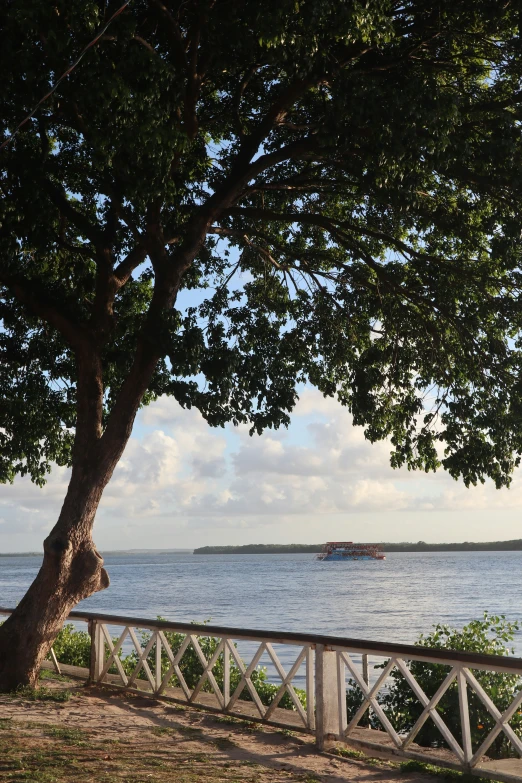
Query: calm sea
(394, 600)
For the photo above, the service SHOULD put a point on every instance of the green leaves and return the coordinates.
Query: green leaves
(490, 635)
(331, 190)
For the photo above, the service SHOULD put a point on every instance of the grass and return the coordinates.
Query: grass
(49, 674)
(253, 727)
(224, 743)
(43, 694)
(351, 753)
(175, 753)
(410, 766)
(44, 753)
(228, 720)
(287, 733)
(160, 731)
(39, 753)
(70, 736)
(440, 772)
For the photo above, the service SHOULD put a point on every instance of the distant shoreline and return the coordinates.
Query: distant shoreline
(514, 545)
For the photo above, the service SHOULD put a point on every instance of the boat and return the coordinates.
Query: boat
(347, 550)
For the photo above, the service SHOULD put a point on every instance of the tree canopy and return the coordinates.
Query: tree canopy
(333, 186)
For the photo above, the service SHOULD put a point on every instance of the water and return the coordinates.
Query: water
(391, 601)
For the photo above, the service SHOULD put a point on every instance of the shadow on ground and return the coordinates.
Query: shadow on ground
(97, 734)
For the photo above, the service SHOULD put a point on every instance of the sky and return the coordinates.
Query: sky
(182, 484)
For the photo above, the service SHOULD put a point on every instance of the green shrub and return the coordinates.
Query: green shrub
(490, 635)
(42, 694)
(73, 647)
(191, 668)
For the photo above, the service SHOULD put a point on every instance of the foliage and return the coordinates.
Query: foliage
(514, 545)
(70, 736)
(440, 772)
(73, 647)
(43, 694)
(49, 674)
(191, 668)
(260, 549)
(490, 635)
(340, 181)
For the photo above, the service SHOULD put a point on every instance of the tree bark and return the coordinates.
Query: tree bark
(71, 570)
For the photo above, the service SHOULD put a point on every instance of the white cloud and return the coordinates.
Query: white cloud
(180, 476)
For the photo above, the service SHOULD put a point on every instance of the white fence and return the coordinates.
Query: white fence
(311, 692)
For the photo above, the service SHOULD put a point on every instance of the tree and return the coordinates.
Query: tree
(339, 181)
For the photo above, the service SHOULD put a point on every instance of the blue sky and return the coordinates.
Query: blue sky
(183, 484)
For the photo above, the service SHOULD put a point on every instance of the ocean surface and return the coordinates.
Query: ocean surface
(392, 600)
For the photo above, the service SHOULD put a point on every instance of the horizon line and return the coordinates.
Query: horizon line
(192, 548)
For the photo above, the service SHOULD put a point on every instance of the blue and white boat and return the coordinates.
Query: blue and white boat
(347, 550)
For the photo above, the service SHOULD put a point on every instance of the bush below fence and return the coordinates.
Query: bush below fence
(73, 647)
(490, 635)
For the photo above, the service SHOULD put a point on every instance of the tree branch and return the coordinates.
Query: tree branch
(83, 224)
(174, 32)
(296, 149)
(170, 268)
(327, 223)
(89, 403)
(145, 43)
(243, 171)
(335, 229)
(264, 252)
(39, 305)
(239, 96)
(127, 266)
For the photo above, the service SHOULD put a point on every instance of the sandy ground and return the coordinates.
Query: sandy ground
(103, 735)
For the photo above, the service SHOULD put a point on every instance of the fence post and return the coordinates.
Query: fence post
(97, 651)
(226, 673)
(464, 718)
(310, 688)
(366, 678)
(158, 677)
(326, 697)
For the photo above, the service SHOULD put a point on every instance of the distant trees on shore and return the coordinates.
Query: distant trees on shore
(421, 546)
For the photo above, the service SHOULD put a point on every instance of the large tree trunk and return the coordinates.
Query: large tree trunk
(72, 569)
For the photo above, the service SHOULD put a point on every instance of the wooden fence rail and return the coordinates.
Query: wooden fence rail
(312, 690)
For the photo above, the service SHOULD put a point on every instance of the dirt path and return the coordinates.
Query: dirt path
(102, 735)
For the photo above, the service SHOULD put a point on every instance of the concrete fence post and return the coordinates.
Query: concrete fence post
(366, 678)
(326, 697)
(97, 651)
